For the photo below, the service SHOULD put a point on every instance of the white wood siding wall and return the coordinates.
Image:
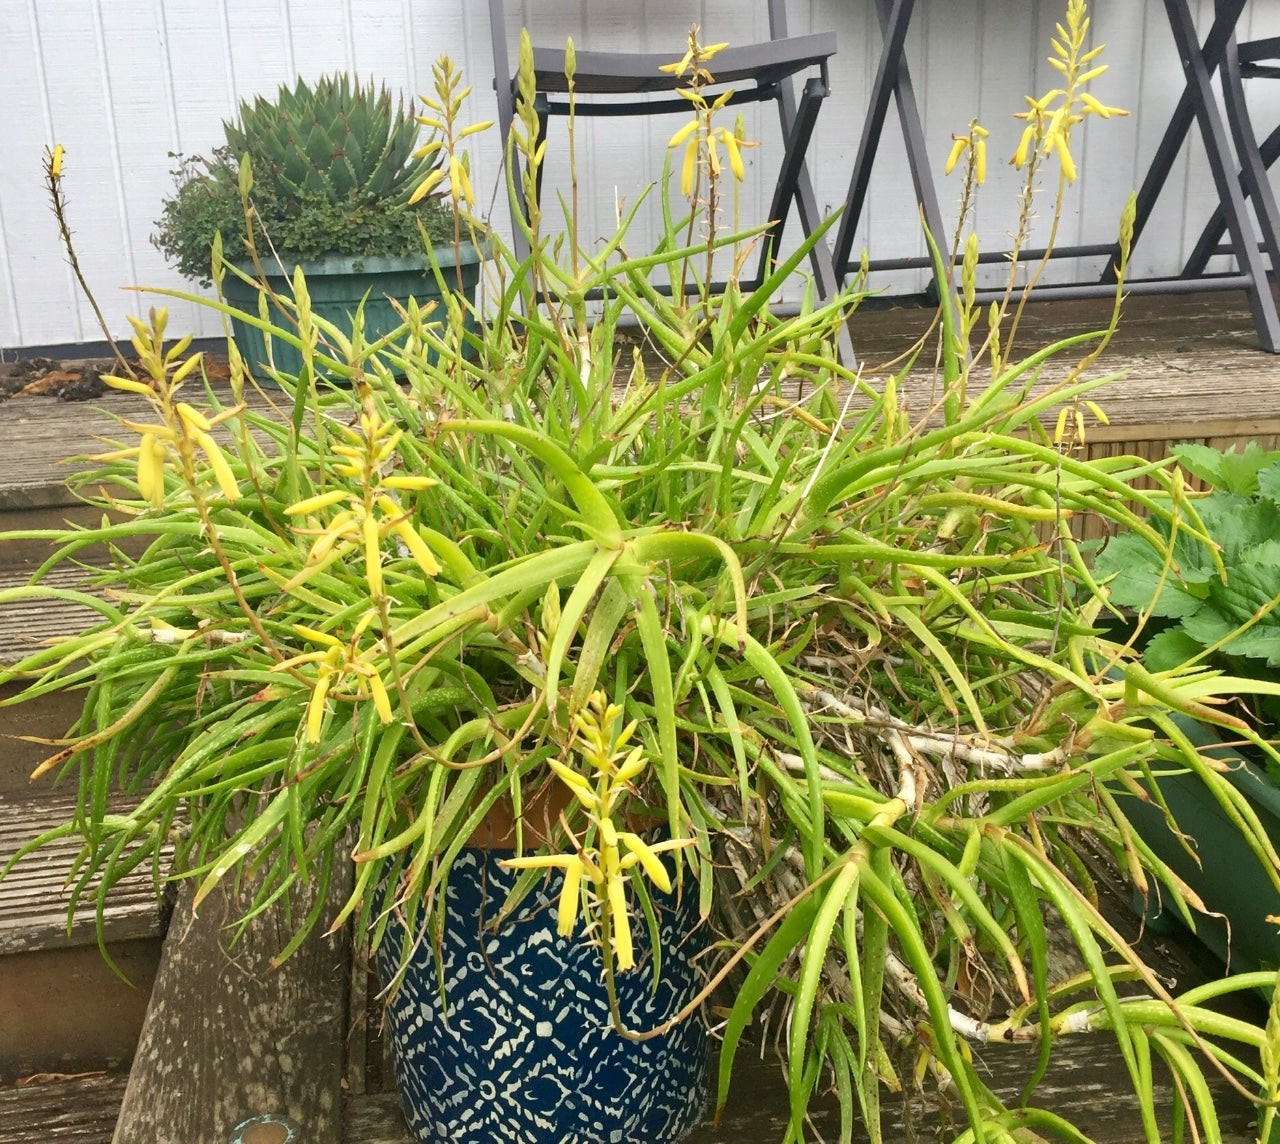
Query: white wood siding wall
(124, 83)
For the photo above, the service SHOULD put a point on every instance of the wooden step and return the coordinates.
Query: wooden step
(27, 624)
(34, 898)
(62, 1006)
(84, 1110)
(38, 436)
(61, 1110)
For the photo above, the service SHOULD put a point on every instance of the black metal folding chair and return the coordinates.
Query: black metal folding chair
(1198, 105)
(755, 72)
(1257, 58)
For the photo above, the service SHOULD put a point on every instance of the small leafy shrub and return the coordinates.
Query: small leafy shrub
(334, 168)
(1218, 601)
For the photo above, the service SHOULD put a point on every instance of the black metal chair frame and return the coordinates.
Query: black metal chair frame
(1198, 104)
(1257, 58)
(768, 68)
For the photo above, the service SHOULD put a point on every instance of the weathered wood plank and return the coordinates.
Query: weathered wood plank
(26, 624)
(34, 898)
(61, 1110)
(228, 1037)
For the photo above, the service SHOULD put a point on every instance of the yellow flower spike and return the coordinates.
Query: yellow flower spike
(408, 482)
(622, 947)
(381, 701)
(980, 162)
(55, 162)
(648, 859)
(570, 897)
(151, 470)
(128, 385)
(315, 705)
(959, 145)
(317, 502)
(221, 469)
(373, 557)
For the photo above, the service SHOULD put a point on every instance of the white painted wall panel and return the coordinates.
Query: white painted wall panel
(123, 83)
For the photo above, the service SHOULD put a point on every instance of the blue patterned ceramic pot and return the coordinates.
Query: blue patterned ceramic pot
(522, 1047)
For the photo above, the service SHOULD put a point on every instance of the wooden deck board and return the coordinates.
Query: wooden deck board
(34, 895)
(1190, 367)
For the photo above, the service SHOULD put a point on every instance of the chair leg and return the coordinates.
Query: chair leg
(1211, 237)
(825, 273)
(797, 131)
(1256, 185)
(1215, 44)
(892, 77)
(1243, 238)
(888, 74)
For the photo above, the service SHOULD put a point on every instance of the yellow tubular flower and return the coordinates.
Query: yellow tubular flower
(315, 706)
(690, 166)
(621, 923)
(193, 417)
(381, 701)
(571, 778)
(151, 470)
(567, 907)
(316, 636)
(1064, 157)
(373, 557)
(958, 146)
(418, 548)
(315, 503)
(409, 482)
(648, 859)
(127, 384)
(221, 470)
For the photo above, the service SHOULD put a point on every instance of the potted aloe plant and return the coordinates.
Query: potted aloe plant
(328, 176)
(1191, 602)
(624, 679)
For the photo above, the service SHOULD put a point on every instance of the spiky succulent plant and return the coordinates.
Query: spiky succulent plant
(338, 140)
(334, 165)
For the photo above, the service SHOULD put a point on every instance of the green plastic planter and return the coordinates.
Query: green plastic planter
(337, 285)
(1229, 877)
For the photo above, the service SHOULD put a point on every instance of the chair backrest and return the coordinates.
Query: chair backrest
(637, 73)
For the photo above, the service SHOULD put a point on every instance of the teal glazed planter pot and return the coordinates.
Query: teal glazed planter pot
(337, 285)
(1229, 877)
